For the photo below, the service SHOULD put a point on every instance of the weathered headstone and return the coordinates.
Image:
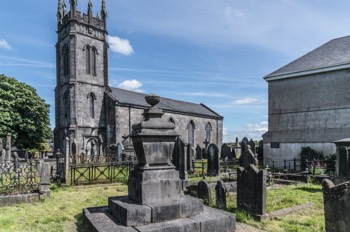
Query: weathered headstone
(44, 188)
(343, 160)
(198, 152)
(8, 147)
(226, 151)
(189, 156)
(261, 150)
(251, 190)
(252, 146)
(2, 155)
(203, 191)
(179, 158)
(247, 156)
(213, 160)
(120, 149)
(336, 200)
(220, 190)
(234, 156)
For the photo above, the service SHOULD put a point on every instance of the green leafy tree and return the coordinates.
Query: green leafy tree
(24, 114)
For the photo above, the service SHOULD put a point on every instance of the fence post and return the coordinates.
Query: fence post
(285, 164)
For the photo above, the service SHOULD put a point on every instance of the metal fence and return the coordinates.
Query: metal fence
(100, 172)
(19, 177)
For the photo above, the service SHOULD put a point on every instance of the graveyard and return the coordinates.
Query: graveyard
(126, 161)
(158, 190)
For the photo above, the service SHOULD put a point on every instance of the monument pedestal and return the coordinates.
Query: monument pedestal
(155, 202)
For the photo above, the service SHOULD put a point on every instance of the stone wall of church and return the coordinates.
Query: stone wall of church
(312, 109)
(128, 116)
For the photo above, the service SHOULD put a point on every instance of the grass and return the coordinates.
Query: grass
(60, 212)
(63, 210)
(309, 219)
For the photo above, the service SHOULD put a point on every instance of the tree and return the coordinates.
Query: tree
(24, 114)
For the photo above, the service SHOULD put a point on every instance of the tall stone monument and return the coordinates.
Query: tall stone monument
(155, 201)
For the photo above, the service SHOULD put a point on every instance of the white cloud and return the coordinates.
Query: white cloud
(133, 85)
(243, 101)
(121, 46)
(4, 44)
(250, 130)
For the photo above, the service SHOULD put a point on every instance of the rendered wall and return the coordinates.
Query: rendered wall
(310, 111)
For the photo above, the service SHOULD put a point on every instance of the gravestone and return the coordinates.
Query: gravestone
(44, 188)
(251, 191)
(114, 152)
(2, 153)
(226, 151)
(234, 156)
(203, 191)
(190, 157)
(120, 149)
(261, 150)
(252, 146)
(336, 200)
(213, 160)
(220, 191)
(198, 152)
(8, 147)
(179, 158)
(247, 156)
(343, 160)
(155, 201)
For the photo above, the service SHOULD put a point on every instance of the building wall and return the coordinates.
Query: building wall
(181, 124)
(289, 151)
(311, 109)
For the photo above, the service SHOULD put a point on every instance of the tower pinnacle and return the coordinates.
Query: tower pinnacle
(103, 11)
(90, 9)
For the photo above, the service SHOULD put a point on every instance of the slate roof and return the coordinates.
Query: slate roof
(126, 97)
(331, 54)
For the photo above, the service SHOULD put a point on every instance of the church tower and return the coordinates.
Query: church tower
(82, 79)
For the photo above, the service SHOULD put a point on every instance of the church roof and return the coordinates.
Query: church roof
(332, 55)
(136, 99)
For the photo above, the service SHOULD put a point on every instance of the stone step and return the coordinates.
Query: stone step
(128, 213)
(99, 219)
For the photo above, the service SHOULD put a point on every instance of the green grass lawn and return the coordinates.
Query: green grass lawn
(309, 219)
(63, 210)
(60, 212)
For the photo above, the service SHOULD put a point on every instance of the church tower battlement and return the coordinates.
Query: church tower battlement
(82, 78)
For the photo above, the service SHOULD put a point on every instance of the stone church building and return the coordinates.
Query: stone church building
(309, 103)
(90, 114)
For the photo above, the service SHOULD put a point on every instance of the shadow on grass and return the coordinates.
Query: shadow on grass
(310, 190)
(79, 222)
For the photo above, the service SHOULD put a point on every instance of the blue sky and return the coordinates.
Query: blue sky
(214, 52)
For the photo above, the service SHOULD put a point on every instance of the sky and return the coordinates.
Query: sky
(214, 52)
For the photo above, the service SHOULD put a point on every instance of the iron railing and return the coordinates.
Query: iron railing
(19, 177)
(100, 172)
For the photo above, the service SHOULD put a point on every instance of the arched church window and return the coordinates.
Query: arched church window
(93, 59)
(190, 129)
(65, 55)
(92, 99)
(88, 59)
(208, 129)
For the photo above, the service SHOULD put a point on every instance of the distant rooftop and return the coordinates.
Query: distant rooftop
(332, 55)
(126, 97)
